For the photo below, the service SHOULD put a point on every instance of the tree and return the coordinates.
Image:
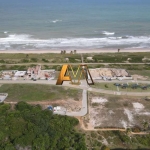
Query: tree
(75, 51)
(30, 127)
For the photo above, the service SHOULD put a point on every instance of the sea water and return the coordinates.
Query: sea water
(74, 24)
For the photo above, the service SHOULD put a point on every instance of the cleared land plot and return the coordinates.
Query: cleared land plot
(109, 111)
(31, 93)
(130, 88)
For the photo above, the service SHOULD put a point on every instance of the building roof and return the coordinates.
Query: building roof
(20, 73)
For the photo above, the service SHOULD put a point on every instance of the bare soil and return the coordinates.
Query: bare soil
(70, 104)
(117, 112)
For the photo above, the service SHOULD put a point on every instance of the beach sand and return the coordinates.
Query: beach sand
(78, 51)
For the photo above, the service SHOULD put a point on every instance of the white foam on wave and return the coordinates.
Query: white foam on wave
(28, 40)
(5, 32)
(17, 37)
(108, 33)
(55, 21)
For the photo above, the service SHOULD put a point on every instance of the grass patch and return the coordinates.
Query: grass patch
(99, 57)
(145, 73)
(32, 92)
(112, 87)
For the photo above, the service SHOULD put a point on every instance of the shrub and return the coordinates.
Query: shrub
(106, 86)
(45, 60)
(34, 59)
(25, 60)
(136, 129)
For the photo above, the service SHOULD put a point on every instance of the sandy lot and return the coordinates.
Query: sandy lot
(107, 111)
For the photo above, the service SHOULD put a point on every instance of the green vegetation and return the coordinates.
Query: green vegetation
(30, 127)
(132, 69)
(116, 140)
(144, 73)
(38, 92)
(45, 60)
(130, 87)
(40, 58)
(76, 58)
(13, 67)
(119, 57)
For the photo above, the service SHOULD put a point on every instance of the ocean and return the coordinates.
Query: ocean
(74, 24)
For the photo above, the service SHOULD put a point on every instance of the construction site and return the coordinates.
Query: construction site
(31, 73)
(110, 73)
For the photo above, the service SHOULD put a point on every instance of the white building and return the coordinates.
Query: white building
(20, 74)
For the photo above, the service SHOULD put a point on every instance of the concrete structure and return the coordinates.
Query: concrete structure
(34, 71)
(7, 74)
(20, 74)
(47, 74)
(3, 96)
(37, 73)
(89, 58)
(31, 73)
(59, 110)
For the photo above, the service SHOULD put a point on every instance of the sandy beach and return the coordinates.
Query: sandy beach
(78, 51)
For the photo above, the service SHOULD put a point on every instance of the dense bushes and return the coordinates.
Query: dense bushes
(33, 128)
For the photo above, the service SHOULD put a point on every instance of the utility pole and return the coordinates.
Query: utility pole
(82, 59)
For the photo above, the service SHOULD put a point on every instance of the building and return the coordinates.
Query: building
(7, 74)
(20, 74)
(34, 71)
(37, 73)
(47, 74)
(31, 73)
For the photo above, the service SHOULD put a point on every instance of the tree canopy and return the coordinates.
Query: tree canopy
(31, 127)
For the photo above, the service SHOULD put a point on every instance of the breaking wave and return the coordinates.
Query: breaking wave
(55, 21)
(24, 41)
(5, 32)
(108, 33)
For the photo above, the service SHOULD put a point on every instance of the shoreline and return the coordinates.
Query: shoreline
(78, 51)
